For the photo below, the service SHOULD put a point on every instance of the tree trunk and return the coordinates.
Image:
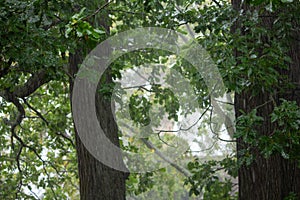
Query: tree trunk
(98, 181)
(273, 178)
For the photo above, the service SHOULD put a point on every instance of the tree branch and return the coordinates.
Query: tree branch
(185, 129)
(64, 135)
(165, 158)
(36, 111)
(161, 155)
(32, 84)
(98, 10)
(8, 96)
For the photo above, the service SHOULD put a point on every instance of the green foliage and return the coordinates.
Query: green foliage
(205, 178)
(165, 97)
(139, 183)
(247, 125)
(139, 109)
(286, 118)
(291, 196)
(283, 140)
(40, 35)
(79, 27)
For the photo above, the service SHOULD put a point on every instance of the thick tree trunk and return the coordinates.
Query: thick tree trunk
(98, 181)
(273, 178)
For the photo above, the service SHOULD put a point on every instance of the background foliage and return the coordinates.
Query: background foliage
(38, 159)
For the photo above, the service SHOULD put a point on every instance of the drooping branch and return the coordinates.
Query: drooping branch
(165, 158)
(160, 154)
(64, 135)
(185, 129)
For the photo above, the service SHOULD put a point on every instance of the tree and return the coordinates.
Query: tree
(40, 152)
(255, 46)
(259, 62)
(267, 104)
(98, 181)
(44, 31)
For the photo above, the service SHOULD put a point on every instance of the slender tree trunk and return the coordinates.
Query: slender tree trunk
(273, 178)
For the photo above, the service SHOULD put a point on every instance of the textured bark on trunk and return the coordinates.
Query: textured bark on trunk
(98, 181)
(273, 178)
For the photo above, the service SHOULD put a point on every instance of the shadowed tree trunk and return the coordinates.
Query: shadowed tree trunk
(273, 178)
(98, 181)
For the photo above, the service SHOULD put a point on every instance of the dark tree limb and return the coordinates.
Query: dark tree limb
(33, 83)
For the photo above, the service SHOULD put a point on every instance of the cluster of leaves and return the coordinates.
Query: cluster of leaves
(79, 27)
(284, 139)
(139, 108)
(165, 97)
(140, 183)
(139, 105)
(205, 180)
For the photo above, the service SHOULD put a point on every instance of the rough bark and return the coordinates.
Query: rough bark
(98, 181)
(273, 178)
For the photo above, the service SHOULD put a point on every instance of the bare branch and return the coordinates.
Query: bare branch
(185, 129)
(159, 137)
(36, 111)
(165, 158)
(18, 159)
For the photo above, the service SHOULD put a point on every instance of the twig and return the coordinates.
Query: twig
(185, 129)
(36, 111)
(158, 135)
(97, 11)
(47, 123)
(161, 155)
(217, 3)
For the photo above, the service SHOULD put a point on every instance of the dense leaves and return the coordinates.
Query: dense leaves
(37, 141)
